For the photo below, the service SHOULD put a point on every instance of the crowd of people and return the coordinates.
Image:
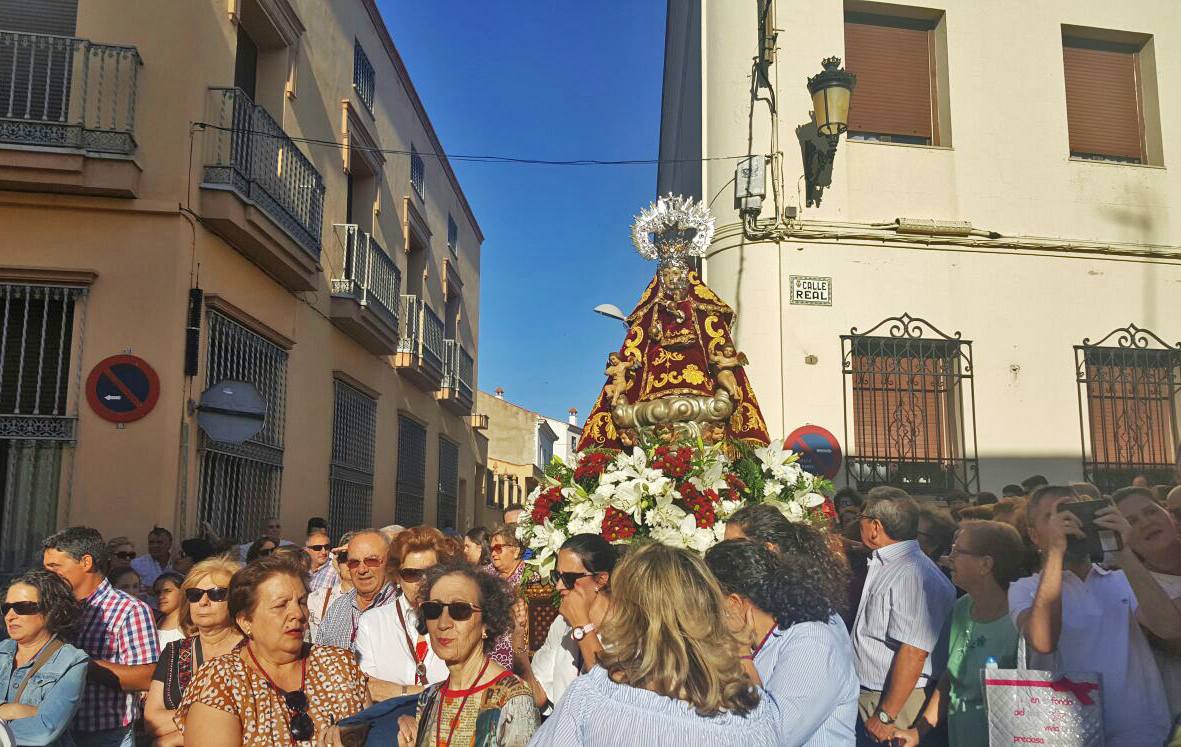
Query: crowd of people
(874, 630)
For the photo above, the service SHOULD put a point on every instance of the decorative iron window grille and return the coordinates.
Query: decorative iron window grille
(363, 80)
(448, 500)
(904, 406)
(417, 173)
(240, 483)
(1129, 384)
(350, 481)
(411, 487)
(489, 488)
(39, 350)
(452, 236)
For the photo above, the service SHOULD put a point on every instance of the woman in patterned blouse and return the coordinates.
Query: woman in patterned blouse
(275, 690)
(480, 704)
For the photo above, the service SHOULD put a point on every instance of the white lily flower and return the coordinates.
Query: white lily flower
(812, 500)
(772, 489)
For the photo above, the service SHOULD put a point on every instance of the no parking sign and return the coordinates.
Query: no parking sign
(819, 450)
(122, 388)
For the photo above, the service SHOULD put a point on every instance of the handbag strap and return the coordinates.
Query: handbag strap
(45, 654)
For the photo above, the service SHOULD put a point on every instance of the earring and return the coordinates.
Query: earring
(484, 635)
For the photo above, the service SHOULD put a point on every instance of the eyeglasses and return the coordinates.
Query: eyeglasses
(961, 551)
(411, 575)
(125, 555)
(216, 594)
(459, 611)
(500, 548)
(301, 726)
(319, 548)
(28, 608)
(266, 552)
(370, 562)
(567, 579)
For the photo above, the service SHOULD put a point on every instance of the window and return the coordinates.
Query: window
(904, 397)
(452, 236)
(411, 487)
(1129, 384)
(417, 174)
(363, 77)
(490, 488)
(240, 482)
(1105, 98)
(900, 68)
(448, 499)
(350, 482)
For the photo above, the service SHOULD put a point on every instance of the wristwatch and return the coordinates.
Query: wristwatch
(885, 718)
(579, 633)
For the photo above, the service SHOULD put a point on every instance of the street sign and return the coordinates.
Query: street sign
(819, 450)
(810, 290)
(231, 412)
(122, 388)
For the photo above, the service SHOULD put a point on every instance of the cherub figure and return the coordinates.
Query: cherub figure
(724, 361)
(617, 371)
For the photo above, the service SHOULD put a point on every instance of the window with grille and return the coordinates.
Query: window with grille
(904, 401)
(411, 487)
(417, 173)
(1104, 106)
(448, 484)
(240, 483)
(489, 488)
(363, 80)
(1129, 385)
(350, 482)
(452, 236)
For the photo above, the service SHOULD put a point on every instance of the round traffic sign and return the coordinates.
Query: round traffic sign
(122, 388)
(819, 450)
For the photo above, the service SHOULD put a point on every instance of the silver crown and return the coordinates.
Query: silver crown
(672, 229)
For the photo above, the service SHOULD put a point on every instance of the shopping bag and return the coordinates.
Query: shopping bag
(1035, 706)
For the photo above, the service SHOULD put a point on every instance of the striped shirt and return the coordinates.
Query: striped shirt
(597, 711)
(118, 628)
(906, 600)
(323, 577)
(808, 670)
(339, 626)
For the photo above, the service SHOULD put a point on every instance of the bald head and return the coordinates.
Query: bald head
(1173, 501)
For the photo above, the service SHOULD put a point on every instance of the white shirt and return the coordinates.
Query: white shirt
(148, 569)
(555, 665)
(385, 654)
(170, 635)
(1100, 633)
(1169, 663)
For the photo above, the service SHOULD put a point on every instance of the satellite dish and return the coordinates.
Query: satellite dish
(231, 412)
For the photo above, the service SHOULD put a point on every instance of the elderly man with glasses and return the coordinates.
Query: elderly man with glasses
(366, 559)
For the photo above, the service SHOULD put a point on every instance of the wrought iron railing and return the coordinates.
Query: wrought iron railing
(458, 368)
(432, 338)
(368, 273)
(422, 332)
(64, 92)
(467, 374)
(247, 151)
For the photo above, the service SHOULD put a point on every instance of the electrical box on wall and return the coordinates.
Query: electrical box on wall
(750, 184)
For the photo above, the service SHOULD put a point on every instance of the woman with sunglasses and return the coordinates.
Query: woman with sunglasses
(41, 676)
(274, 689)
(464, 611)
(202, 609)
(395, 655)
(670, 673)
(260, 548)
(582, 576)
(168, 593)
(507, 563)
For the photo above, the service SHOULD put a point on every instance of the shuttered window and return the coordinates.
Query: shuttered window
(411, 487)
(448, 496)
(56, 17)
(1103, 102)
(893, 60)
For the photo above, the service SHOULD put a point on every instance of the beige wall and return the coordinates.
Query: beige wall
(144, 253)
(1024, 304)
(513, 431)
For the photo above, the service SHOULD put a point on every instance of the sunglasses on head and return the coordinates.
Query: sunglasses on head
(459, 611)
(125, 555)
(21, 608)
(412, 575)
(216, 594)
(301, 726)
(370, 562)
(318, 548)
(567, 579)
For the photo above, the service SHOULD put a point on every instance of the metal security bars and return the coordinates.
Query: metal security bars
(246, 150)
(363, 78)
(1129, 384)
(240, 483)
(417, 174)
(904, 403)
(350, 489)
(368, 275)
(452, 236)
(448, 499)
(422, 332)
(411, 485)
(64, 92)
(458, 368)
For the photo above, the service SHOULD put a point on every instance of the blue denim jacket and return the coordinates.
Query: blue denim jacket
(55, 690)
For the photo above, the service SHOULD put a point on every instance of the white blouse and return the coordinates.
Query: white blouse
(385, 654)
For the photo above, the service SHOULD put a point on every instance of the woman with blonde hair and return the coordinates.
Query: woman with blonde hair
(671, 670)
(204, 616)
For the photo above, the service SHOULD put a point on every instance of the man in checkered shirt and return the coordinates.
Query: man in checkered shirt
(118, 632)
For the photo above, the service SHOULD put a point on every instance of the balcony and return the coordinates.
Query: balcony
(67, 114)
(456, 393)
(260, 192)
(420, 344)
(365, 296)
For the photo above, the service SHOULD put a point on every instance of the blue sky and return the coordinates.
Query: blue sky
(552, 80)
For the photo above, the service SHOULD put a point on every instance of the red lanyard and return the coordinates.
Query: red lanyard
(303, 678)
(755, 651)
(417, 651)
(458, 713)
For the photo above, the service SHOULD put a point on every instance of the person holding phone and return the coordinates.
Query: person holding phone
(1076, 615)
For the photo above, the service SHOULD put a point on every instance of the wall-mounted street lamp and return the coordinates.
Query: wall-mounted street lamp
(612, 311)
(831, 91)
